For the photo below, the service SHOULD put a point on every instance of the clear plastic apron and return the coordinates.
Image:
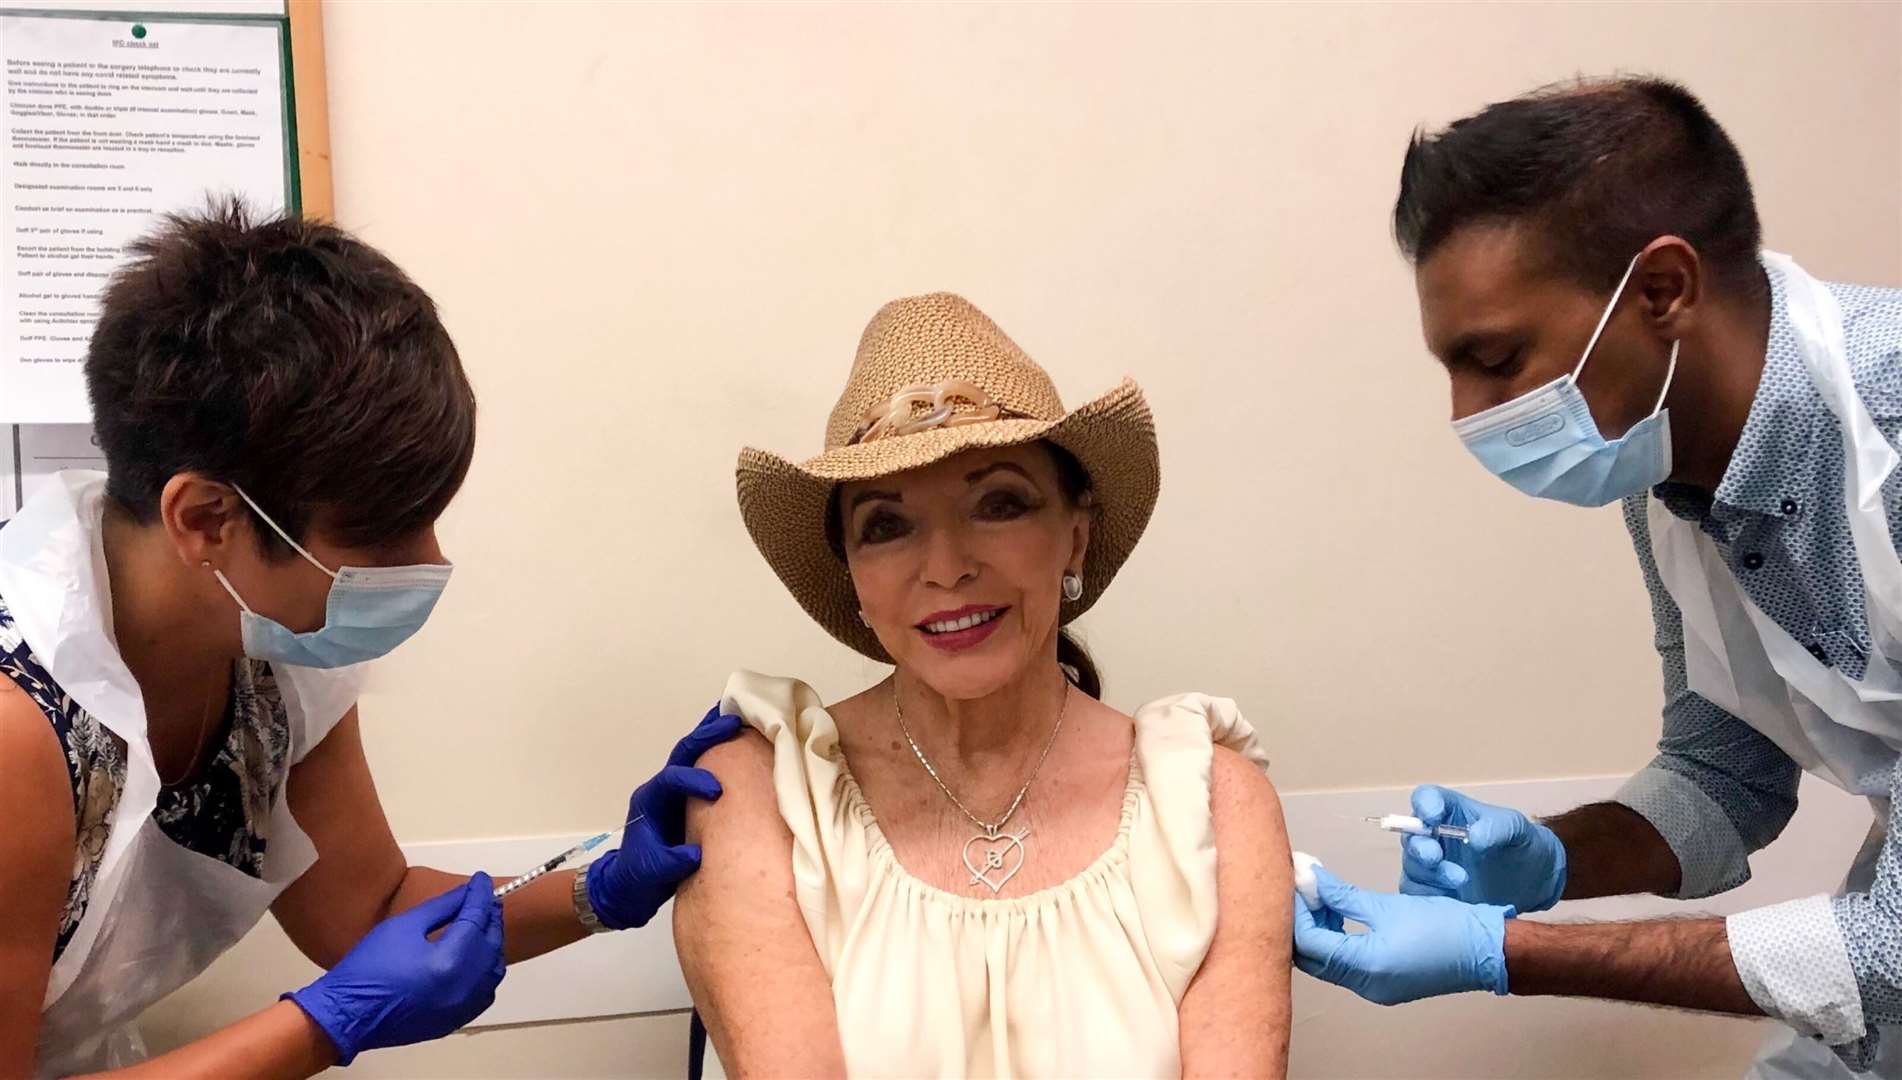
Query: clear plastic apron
(158, 914)
(1847, 731)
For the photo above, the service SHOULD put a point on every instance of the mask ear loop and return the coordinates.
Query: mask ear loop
(222, 580)
(295, 546)
(1669, 374)
(1602, 319)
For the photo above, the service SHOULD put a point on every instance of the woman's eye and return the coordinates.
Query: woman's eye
(880, 527)
(1002, 506)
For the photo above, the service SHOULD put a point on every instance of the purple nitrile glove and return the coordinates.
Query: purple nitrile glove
(628, 885)
(397, 987)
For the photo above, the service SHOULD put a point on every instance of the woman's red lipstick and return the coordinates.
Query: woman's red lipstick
(961, 628)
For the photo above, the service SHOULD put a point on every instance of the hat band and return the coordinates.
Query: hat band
(952, 403)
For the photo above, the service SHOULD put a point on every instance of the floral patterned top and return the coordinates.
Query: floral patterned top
(223, 812)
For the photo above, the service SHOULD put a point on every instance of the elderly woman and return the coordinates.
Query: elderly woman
(976, 866)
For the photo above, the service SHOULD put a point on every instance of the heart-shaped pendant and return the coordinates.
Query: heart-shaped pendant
(998, 858)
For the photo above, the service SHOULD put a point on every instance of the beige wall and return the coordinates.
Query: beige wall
(656, 231)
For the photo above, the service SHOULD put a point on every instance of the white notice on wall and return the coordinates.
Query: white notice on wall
(109, 124)
(46, 449)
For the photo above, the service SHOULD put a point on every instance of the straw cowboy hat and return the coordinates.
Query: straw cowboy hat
(934, 377)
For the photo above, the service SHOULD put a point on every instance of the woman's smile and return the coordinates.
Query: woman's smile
(961, 628)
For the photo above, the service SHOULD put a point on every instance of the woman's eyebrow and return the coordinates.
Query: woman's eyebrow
(863, 497)
(996, 467)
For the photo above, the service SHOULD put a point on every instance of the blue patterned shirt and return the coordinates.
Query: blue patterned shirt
(1717, 789)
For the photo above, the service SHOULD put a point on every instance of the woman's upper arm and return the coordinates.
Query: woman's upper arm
(359, 865)
(1235, 1015)
(36, 862)
(743, 943)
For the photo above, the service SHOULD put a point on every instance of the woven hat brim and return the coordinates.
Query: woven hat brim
(784, 504)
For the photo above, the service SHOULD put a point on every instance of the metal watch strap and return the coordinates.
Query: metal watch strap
(584, 908)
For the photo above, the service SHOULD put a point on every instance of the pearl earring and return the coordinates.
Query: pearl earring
(1072, 587)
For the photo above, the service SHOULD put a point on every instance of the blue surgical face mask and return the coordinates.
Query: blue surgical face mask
(1545, 442)
(370, 611)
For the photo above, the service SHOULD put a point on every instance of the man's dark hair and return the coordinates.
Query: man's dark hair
(1596, 169)
(286, 357)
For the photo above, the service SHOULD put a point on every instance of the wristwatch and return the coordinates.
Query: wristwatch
(584, 908)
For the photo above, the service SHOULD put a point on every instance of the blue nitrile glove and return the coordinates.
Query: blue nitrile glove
(1507, 858)
(627, 885)
(397, 987)
(1414, 946)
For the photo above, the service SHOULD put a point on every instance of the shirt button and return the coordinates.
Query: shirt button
(1789, 507)
(1753, 561)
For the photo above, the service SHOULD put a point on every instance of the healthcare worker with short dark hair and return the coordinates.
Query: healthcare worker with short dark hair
(181, 639)
(1590, 275)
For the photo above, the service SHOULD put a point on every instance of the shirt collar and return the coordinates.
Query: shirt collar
(1772, 457)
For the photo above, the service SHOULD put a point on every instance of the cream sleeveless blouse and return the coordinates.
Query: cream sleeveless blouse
(1081, 979)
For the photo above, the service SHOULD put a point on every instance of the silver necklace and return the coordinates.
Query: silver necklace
(992, 856)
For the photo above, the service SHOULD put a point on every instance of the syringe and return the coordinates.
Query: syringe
(1413, 826)
(582, 848)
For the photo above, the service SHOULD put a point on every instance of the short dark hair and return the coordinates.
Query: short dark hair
(286, 357)
(1598, 168)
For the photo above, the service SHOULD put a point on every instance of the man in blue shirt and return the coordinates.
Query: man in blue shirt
(1590, 275)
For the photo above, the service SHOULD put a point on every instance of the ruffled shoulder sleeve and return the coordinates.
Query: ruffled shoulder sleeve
(1172, 844)
(831, 841)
